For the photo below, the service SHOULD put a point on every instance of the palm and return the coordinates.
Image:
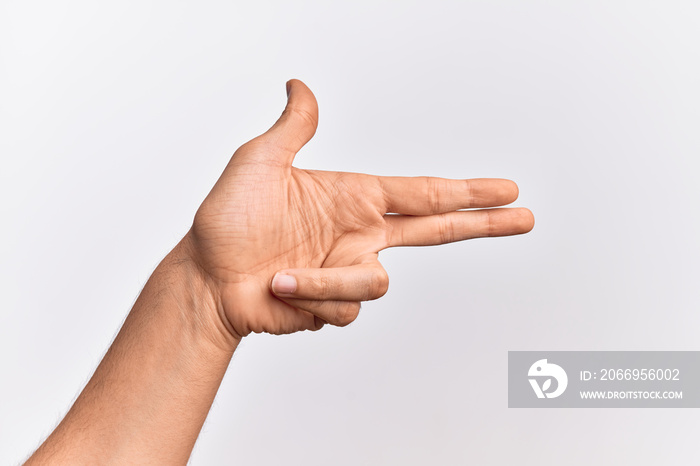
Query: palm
(278, 218)
(264, 216)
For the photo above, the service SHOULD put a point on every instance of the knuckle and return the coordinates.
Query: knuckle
(379, 284)
(306, 116)
(438, 192)
(445, 229)
(318, 323)
(490, 223)
(469, 193)
(390, 233)
(434, 193)
(346, 313)
(321, 286)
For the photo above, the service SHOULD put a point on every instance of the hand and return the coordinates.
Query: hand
(288, 249)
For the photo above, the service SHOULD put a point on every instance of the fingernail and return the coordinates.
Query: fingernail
(284, 284)
(289, 87)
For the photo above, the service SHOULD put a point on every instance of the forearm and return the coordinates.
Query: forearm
(149, 397)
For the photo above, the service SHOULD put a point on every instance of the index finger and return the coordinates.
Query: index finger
(424, 195)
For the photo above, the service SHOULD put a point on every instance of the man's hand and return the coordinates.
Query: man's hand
(288, 249)
(272, 249)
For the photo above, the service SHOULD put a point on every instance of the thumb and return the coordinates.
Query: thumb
(332, 295)
(297, 124)
(360, 282)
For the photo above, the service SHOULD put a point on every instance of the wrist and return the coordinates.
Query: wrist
(198, 295)
(158, 380)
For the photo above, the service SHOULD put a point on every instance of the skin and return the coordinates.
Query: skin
(272, 249)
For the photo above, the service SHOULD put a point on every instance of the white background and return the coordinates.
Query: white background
(116, 119)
